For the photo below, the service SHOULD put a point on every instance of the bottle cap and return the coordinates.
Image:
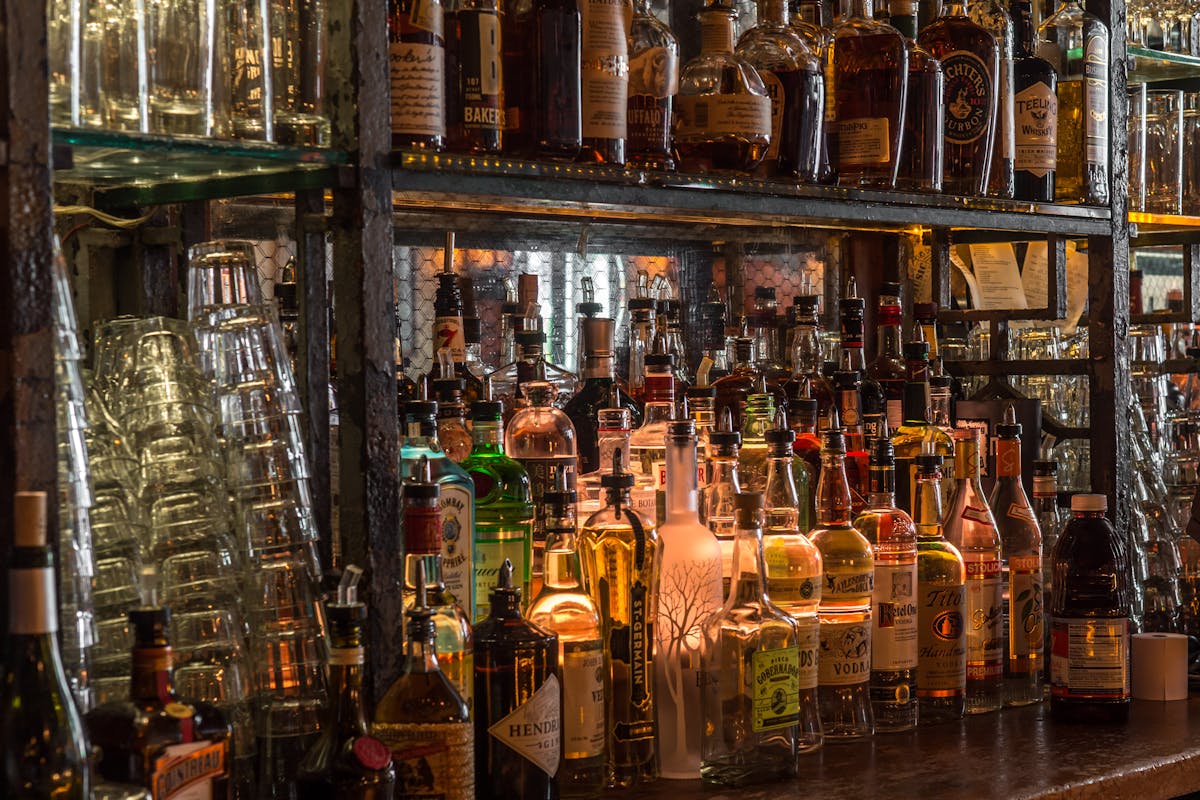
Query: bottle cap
(346, 608)
(660, 360)
(939, 381)
(916, 351)
(697, 392)
(448, 390)
(505, 598)
(924, 311)
(928, 462)
(617, 479)
(1045, 467)
(486, 410)
(725, 438)
(764, 292)
(1009, 428)
(150, 625)
(748, 509)
(803, 406)
(1089, 502)
(29, 513)
(845, 380)
(372, 753)
(806, 304)
(419, 490)
(776, 436)
(597, 336)
(421, 627)
(832, 438)
(889, 289)
(530, 338)
(641, 304)
(681, 428)
(418, 410)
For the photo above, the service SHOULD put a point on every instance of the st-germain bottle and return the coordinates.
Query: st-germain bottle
(518, 702)
(653, 84)
(604, 79)
(416, 59)
(971, 527)
(751, 690)
(596, 392)
(42, 739)
(690, 592)
(845, 610)
(1035, 112)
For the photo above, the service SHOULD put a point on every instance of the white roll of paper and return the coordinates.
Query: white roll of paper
(1160, 666)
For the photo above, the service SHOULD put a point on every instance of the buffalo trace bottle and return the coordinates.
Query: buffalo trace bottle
(604, 79)
(941, 601)
(563, 608)
(653, 84)
(423, 719)
(1090, 618)
(1035, 112)
(621, 555)
(722, 112)
(416, 60)
(475, 77)
(924, 112)
(518, 702)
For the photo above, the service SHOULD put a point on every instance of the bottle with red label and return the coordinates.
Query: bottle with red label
(1091, 618)
(448, 328)
(971, 528)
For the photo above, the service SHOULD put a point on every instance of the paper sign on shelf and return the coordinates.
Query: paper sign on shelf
(1034, 274)
(997, 277)
(1077, 284)
(920, 271)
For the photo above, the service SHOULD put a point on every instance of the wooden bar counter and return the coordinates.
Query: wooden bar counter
(1017, 754)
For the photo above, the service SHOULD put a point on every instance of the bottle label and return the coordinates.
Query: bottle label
(417, 83)
(968, 93)
(895, 414)
(433, 762)
(481, 72)
(1006, 145)
(458, 528)
(941, 644)
(583, 699)
(187, 771)
(707, 115)
(1035, 109)
(845, 658)
(1089, 658)
(653, 81)
(448, 332)
(605, 67)
(863, 141)
(31, 601)
(776, 676)
(851, 584)
(1008, 458)
(489, 557)
(630, 646)
(1095, 81)
(346, 656)
(985, 607)
(808, 646)
(1020, 511)
(776, 93)
(1025, 613)
(894, 631)
(533, 729)
(716, 33)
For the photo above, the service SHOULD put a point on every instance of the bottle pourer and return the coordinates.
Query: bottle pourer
(347, 591)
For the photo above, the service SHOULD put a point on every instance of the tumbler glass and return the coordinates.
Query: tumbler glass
(179, 47)
(1191, 153)
(242, 82)
(1164, 151)
(1137, 148)
(298, 72)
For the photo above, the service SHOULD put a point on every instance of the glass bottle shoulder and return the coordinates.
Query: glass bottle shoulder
(839, 541)
(887, 526)
(949, 34)
(720, 73)
(441, 468)
(539, 432)
(647, 31)
(496, 476)
(970, 525)
(939, 563)
(816, 37)
(570, 613)
(609, 522)
(421, 697)
(771, 47)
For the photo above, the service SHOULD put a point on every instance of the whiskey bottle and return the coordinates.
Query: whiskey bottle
(451, 420)
(544, 116)
(416, 64)
(604, 79)
(722, 112)
(887, 369)
(42, 740)
(1075, 43)
(993, 17)
(970, 59)
(941, 603)
(751, 677)
(596, 392)
(423, 719)
(1035, 112)
(621, 555)
(563, 608)
(893, 538)
(723, 486)
(845, 609)
(793, 79)
(448, 322)
(971, 528)
(909, 439)
(475, 75)
(865, 128)
(924, 113)
(653, 84)
(518, 702)
(1021, 540)
(689, 593)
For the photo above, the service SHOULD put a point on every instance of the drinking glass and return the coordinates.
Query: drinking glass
(62, 47)
(1191, 152)
(243, 94)
(1137, 148)
(180, 58)
(1164, 151)
(298, 72)
(114, 76)
(221, 273)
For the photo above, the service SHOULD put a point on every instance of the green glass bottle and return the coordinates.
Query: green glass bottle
(503, 506)
(752, 458)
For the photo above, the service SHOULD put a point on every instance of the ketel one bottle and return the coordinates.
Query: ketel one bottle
(518, 702)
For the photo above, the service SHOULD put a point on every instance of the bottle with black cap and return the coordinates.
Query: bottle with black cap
(808, 355)
(918, 427)
(346, 762)
(714, 358)
(641, 344)
(518, 702)
(448, 322)
(723, 485)
(453, 435)
(872, 398)
(621, 555)
(599, 390)
(734, 390)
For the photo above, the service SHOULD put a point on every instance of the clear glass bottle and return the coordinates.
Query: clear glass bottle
(893, 538)
(751, 671)
(622, 556)
(910, 439)
(993, 16)
(872, 398)
(752, 456)
(845, 609)
(647, 450)
(924, 109)
(723, 486)
(453, 435)
(702, 406)
(1051, 521)
(641, 343)
(1021, 540)
(613, 432)
(689, 593)
(971, 527)
(653, 84)
(808, 355)
(596, 391)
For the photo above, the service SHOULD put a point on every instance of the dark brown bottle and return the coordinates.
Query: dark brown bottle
(475, 77)
(1035, 112)
(557, 100)
(518, 702)
(448, 327)
(924, 112)
(887, 368)
(653, 81)
(416, 61)
(1091, 618)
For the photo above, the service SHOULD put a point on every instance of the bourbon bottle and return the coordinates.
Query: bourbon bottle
(475, 77)
(416, 58)
(604, 79)
(653, 84)
(544, 117)
(924, 114)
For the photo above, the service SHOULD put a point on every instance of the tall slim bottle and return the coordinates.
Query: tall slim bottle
(845, 609)
(924, 110)
(689, 593)
(1035, 112)
(416, 60)
(910, 439)
(596, 392)
(653, 84)
(723, 486)
(993, 16)
(647, 451)
(544, 117)
(604, 79)
(971, 527)
(475, 77)
(448, 326)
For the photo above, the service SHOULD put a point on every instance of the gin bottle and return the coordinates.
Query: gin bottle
(751, 672)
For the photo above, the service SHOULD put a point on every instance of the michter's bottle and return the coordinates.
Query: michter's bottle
(416, 59)
(518, 702)
(475, 79)
(604, 79)
(621, 555)
(1035, 112)
(653, 84)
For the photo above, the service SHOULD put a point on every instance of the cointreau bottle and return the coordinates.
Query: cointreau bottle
(475, 79)
(653, 84)
(416, 59)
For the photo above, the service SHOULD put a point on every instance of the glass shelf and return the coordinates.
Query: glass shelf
(126, 169)
(1151, 66)
(1158, 223)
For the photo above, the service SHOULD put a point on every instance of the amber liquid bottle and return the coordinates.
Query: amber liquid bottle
(416, 59)
(474, 77)
(557, 99)
(604, 79)
(653, 83)
(924, 114)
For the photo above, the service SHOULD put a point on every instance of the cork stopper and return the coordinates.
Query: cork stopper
(30, 518)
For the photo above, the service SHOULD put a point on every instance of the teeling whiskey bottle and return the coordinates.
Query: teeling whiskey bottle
(1035, 112)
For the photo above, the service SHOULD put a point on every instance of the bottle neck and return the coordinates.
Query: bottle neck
(421, 432)
(773, 13)
(833, 490)
(724, 470)
(882, 480)
(681, 478)
(1024, 31)
(1008, 459)
(889, 316)
(487, 437)
(916, 402)
(808, 12)
(560, 566)
(152, 679)
(862, 8)
(927, 510)
(420, 649)
(748, 567)
(598, 366)
(954, 8)
(780, 489)
(348, 715)
(808, 356)
(853, 359)
(716, 31)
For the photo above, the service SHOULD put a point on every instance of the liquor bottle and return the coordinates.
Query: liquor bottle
(872, 399)
(941, 603)
(970, 59)
(887, 368)
(751, 674)
(596, 392)
(971, 528)
(621, 555)
(563, 608)
(604, 79)
(893, 538)
(752, 456)
(910, 437)
(423, 560)
(689, 593)
(722, 112)
(807, 448)
(864, 128)
(457, 496)
(714, 361)
(416, 63)
(451, 423)
(808, 23)
(845, 610)
(846, 386)
(1090, 618)
(794, 575)
(423, 719)
(346, 762)
(544, 117)
(1075, 43)
(1021, 540)
(641, 344)
(734, 389)
(992, 16)
(1051, 521)
(475, 77)
(653, 84)
(792, 75)
(702, 407)
(155, 738)
(647, 451)
(448, 323)
(503, 506)
(1035, 111)
(518, 701)
(766, 330)
(42, 739)
(671, 331)
(723, 486)
(924, 113)
(808, 355)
